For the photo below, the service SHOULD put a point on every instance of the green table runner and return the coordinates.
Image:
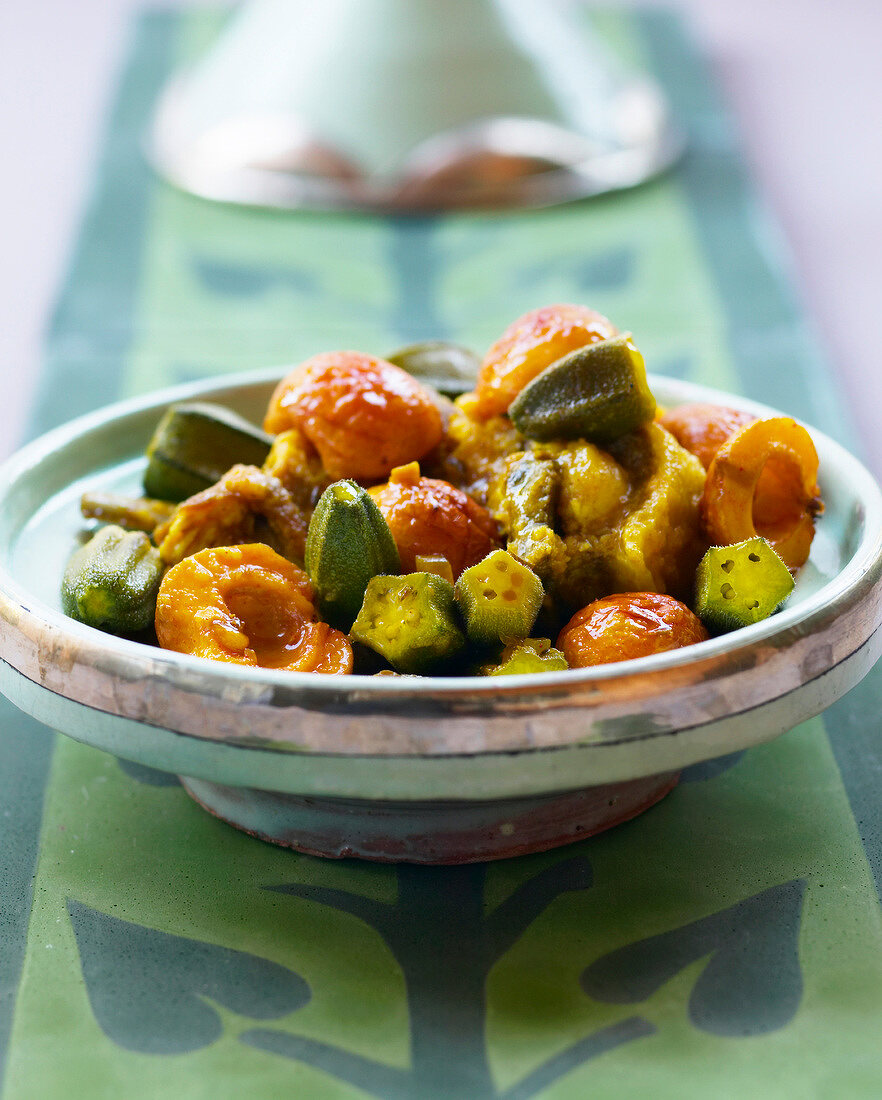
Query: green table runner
(728, 943)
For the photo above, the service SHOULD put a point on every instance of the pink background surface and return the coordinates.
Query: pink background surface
(802, 79)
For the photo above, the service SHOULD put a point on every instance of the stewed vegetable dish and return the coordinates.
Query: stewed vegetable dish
(553, 517)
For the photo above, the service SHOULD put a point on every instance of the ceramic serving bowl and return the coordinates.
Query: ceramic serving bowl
(424, 769)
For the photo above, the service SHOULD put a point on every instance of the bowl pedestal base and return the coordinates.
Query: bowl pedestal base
(428, 832)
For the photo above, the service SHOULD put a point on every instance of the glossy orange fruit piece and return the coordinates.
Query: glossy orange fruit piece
(429, 517)
(628, 625)
(701, 428)
(763, 481)
(247, 605)
(363, 415)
